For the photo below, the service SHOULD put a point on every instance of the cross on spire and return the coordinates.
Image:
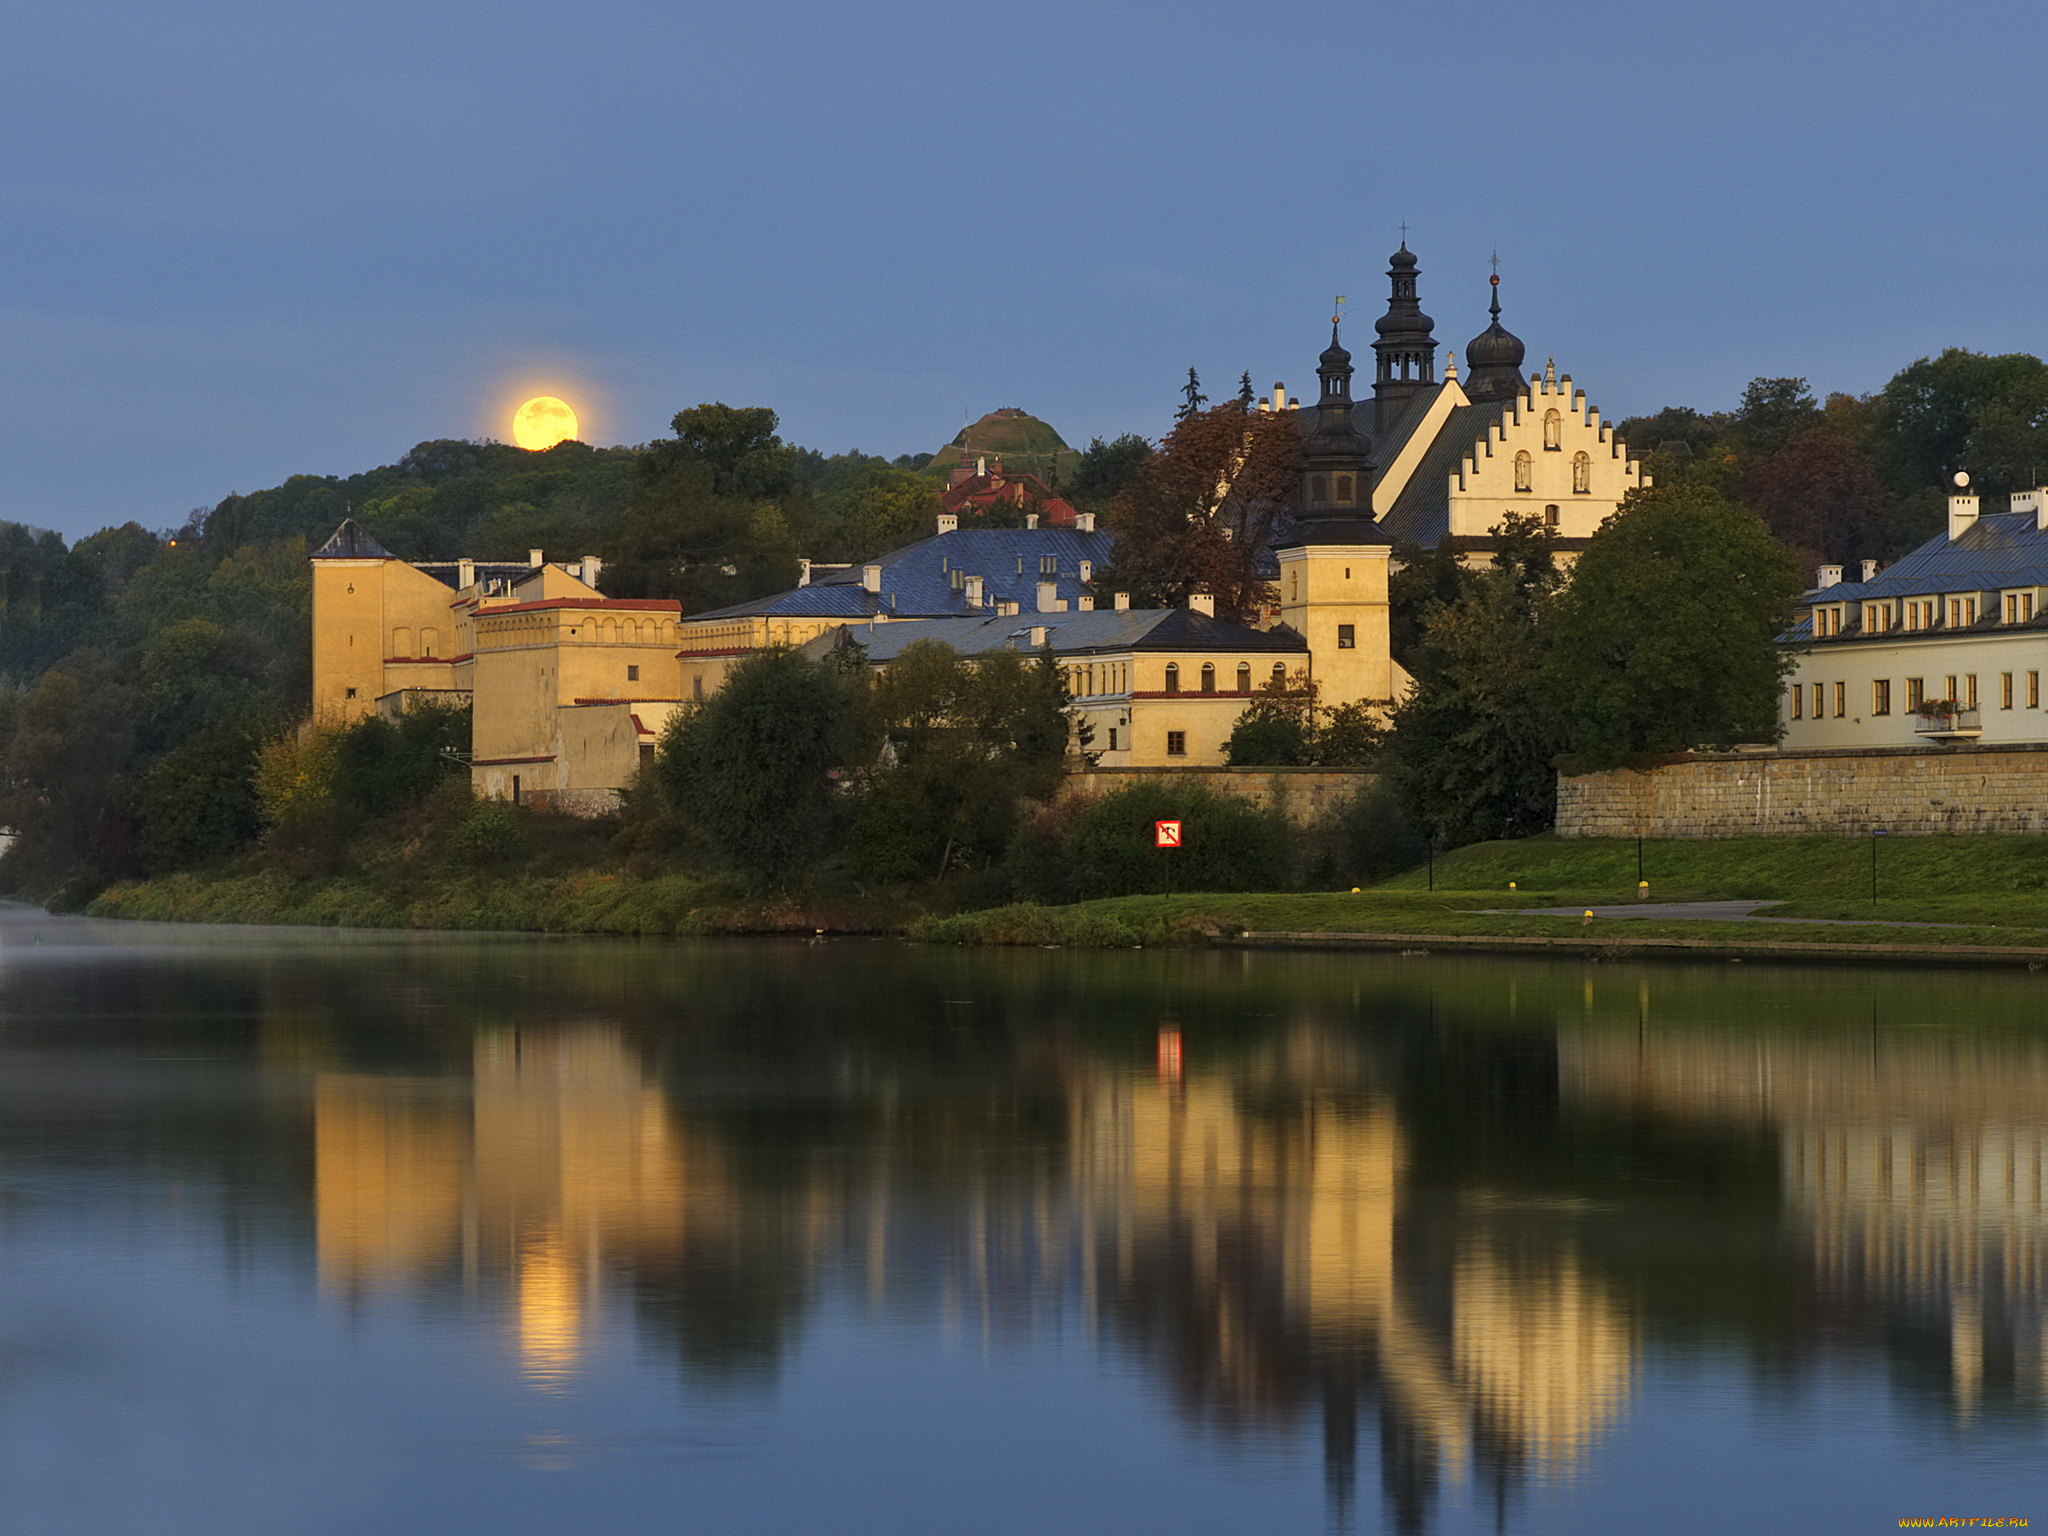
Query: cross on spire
(1495, 263)
(1404, 234)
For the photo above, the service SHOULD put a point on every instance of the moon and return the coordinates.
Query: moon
(543, 422)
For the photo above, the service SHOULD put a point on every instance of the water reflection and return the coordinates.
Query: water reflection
(1448, 1228)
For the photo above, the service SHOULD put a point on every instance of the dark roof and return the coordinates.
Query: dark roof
(1421, 514)
(917, 579)
(1103, 629)
(2000, 549)
(351, 541)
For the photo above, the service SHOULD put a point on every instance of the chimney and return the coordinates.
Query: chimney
(1830, 576)
(961, 474)
(2034, 501)
(1006, 608)
(974, 591)
(1031, 521)
(1084, 522)
(981, 464)
(1870, 570)
(592, 569)
(1087, 604)
(1087, 570)
(534, 557)
(1048, 595)
(1205, 602)
(1962, 508)
(1038, 634)
(465, 574)
(949, 522)
(871, 578)
(1122, 602)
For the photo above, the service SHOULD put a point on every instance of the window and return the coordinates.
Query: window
(1525, 472)
(1819, 701)
(1841, 700)
(1244, 677)
(1318, 490)
(2005, 690)
(348, 693)
(697, 687)
(1916, 692)
(632, 674)
(1344, 490)
(1279, 671)
(1347, 637)
(1112, 739)
(1048, 565)
(1962, 612)
(2033, 690)
(1582, 474)
(1881, 696)
(1176, 743)
(957, 579)
(1208, 677)
(1970, 690)
(1797, 695)
(1020, 565)
(1553, 431)
(1550, 515)
(646, 754)
(1951, 695)
(1173, 677)
(2019, 607)
(515, 789)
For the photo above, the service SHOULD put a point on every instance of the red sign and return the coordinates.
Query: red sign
(1166, 833)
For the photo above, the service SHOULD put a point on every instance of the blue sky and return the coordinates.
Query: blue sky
(239, 241)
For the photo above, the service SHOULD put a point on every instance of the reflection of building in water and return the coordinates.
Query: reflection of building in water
(1250, 1228)
(556, 1157)
(1913, 1167)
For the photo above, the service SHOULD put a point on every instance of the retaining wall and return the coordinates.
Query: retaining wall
(1301, 794)
(2001, 788)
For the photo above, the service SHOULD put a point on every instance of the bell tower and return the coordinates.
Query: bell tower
(1406, 344)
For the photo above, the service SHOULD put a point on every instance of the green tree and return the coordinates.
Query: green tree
(755, 765)
(383, 765)
(1287, 726)
(1666, 637)
(198, 803)
(1228, 844)
(1472, 751)
(1104, 469)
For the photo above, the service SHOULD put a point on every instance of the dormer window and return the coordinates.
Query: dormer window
(2019, 607)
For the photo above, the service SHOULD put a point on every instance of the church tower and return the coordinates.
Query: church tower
(1333, 566)
(1493, 360)
(1406, 347)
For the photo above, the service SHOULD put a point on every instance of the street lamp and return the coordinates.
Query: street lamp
(1875, 834)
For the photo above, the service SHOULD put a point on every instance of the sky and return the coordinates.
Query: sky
(241, 241)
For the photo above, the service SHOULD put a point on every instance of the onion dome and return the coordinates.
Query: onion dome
(1493, 359)
(1406, 347)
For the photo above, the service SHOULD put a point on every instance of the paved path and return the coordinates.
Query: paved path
(1718, 912)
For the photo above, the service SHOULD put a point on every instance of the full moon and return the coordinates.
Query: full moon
(543, 422)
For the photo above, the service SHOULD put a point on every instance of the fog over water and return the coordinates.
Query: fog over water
(316, 1232)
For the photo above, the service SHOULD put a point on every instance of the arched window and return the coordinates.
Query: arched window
(1173, 677)
(1525, 470)
(1582, 474)
(1244, 677)
(1318, 490)
(1279, 671)
(1208, 677)
(1553, 431)
(1550, 515)
(1343, 490)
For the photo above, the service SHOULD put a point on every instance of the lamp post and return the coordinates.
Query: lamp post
(1875, 834)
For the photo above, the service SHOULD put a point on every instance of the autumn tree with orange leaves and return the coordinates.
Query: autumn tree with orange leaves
(1200, 510)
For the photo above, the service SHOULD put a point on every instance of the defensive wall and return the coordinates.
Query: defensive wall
(1301, 794)
(2002, 788)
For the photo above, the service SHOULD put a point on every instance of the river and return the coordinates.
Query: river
(314, 1232)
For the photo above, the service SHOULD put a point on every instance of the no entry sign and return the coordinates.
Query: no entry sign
(1166, 833)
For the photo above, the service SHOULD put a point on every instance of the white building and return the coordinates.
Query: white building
(1947, 644)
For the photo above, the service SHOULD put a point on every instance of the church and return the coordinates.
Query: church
(1455, 456)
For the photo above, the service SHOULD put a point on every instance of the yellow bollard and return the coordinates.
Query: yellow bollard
(1511, 885)
(1354, 890)
(1642, 890)
(1587, 920)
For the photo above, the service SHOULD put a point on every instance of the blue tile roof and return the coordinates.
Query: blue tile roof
(1145, 629)
(2001, 549)
(917, 580)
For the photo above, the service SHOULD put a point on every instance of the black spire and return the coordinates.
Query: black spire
(1493, 359)
(1406, 345)
(1335, 505)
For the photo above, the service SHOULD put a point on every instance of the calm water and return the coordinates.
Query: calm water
(334, 1233)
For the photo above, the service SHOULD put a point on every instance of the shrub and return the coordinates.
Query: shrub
(1227, 844)
(1364, 839)
(489, 834)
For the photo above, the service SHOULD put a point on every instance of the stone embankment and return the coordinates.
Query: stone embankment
(1902, 790)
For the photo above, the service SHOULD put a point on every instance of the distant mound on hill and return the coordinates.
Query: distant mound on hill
(1024, 443)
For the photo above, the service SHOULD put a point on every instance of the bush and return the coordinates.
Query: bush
(1366, 838)
(489, 834)
(1227, 844)
(384, 765)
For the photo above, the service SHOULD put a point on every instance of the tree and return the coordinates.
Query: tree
(1965, 411)
(1197, 514)
(1105, 468)
(755, 765)
(1472, 749)
(964, 742)
(382, 765)
(1286, 726)
(1771, 412)
(1246, 395)
(1192, 398)
(1820, 496)
(199, 802)
(1666, 638)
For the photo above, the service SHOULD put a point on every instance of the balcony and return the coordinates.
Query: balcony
(1938, 722)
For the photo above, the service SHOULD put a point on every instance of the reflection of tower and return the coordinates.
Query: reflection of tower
(554, 1159)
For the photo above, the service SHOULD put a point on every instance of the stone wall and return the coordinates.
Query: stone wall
(2000, 788)
(1301, 794)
